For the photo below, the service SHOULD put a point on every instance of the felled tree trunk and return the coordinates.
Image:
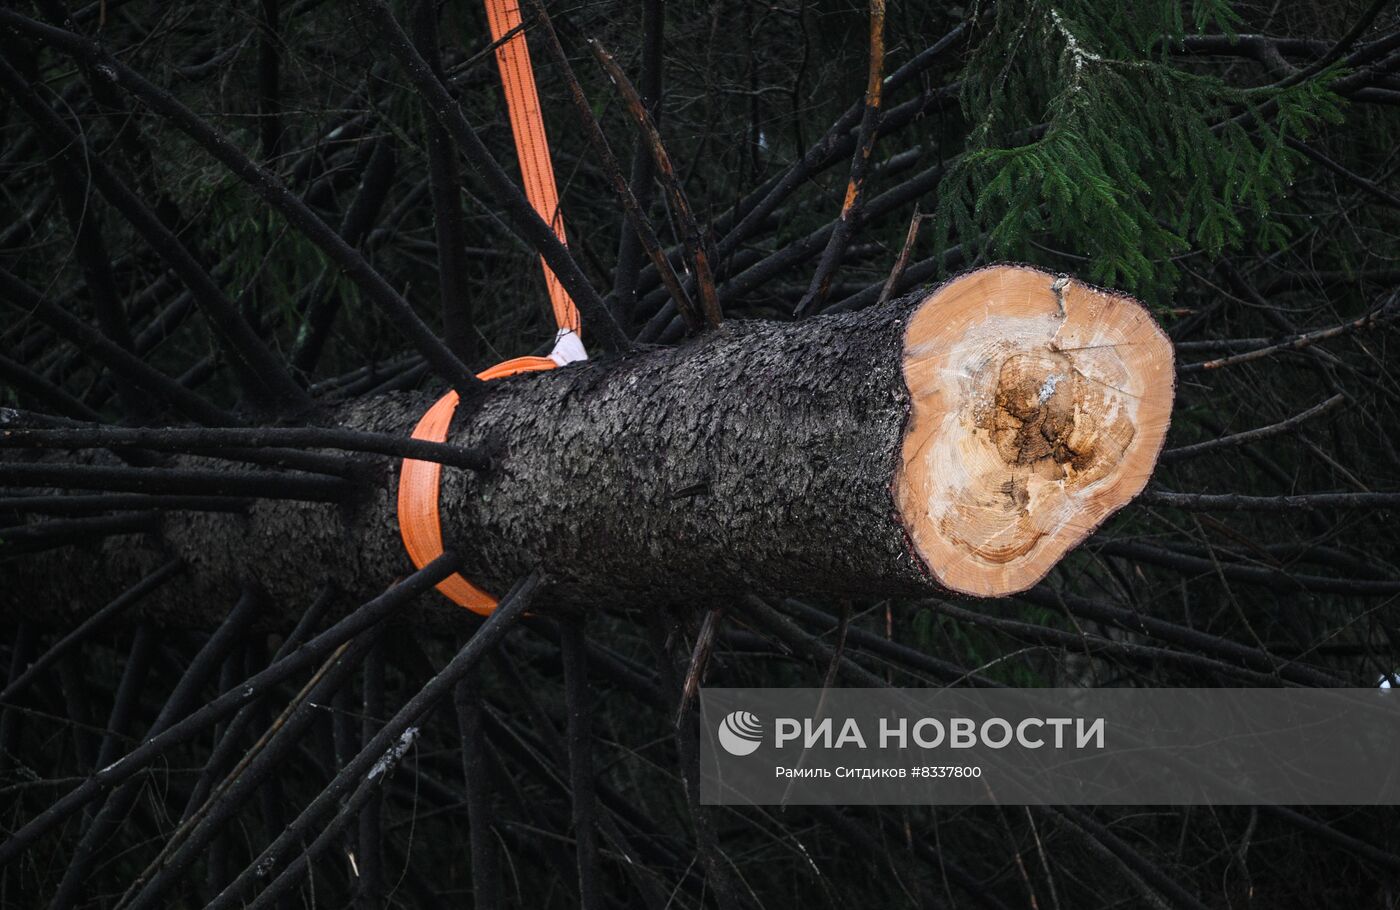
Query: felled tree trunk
(960, 440)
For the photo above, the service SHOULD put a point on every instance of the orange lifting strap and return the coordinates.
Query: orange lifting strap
(420, 522)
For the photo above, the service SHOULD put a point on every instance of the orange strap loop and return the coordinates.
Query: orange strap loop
(420, 521)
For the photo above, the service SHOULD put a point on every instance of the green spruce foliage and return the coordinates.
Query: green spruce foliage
(1086, 140)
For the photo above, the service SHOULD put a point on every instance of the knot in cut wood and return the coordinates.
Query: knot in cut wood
(1038, 409)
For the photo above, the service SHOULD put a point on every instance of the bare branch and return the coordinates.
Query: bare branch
(690, 228)
(815, 298)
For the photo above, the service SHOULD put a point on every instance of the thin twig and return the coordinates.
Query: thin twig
(35, 537)
(360, 778)
(195, 439)
(151, 749)
(1238, 439)
(1240, 502)
(628, 271)
(92, 625)
(690, 228)
(268, 186)
(182, 699)
(323, 304)
(444, 180)
(902, 262)
(1298, 342)
(164, 862)
(486, 878)
(86, 338)
(256, 772)
(579, 736)
(815, 298)
(524, 219)
(26, 382)
(264, 375)
(699, 660)
(202, 482)
(613, 171)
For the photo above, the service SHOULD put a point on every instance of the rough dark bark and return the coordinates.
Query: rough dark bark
(760, 457)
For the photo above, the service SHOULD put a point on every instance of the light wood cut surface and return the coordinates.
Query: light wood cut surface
(1039, 408)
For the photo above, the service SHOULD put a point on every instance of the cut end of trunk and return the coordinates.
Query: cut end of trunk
(1039, 408)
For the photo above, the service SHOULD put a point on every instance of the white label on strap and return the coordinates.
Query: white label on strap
(568, 348)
